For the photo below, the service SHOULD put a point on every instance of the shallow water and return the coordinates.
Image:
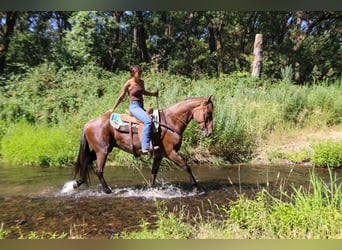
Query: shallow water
(40, 199)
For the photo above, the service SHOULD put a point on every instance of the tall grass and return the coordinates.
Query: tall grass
(313, 212)
(39, 144)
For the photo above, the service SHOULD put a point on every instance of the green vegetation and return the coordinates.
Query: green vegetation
(40, 144)
(195, 44)
(61, 69)
(43, 113)
(3, 232)
(328, 154)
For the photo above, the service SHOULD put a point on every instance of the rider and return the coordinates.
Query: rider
(136, 89)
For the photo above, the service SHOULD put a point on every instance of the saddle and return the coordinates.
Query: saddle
(123, 122)
(127, 123)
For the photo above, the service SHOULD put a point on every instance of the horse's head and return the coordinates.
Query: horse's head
(203, 115)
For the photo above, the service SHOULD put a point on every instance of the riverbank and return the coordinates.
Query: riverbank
(294, 146)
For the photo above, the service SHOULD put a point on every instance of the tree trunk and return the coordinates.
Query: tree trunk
(141, 35)
(219, 46)
(189, 23)
(8, 29)
(300, 38)
(116, 40)
(215, 41)
(257, 56)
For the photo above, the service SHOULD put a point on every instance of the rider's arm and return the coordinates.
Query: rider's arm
(147, 93)
(121, 96)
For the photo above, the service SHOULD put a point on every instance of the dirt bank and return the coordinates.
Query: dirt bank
(291, 142)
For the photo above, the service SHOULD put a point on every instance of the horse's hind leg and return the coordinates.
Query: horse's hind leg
(100, 163)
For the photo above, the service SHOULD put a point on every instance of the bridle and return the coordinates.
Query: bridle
(193, 115)
(187, 123)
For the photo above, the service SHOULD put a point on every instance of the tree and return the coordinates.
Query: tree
(215, 30)
(192, 43)
(140, 37)
(6, 31)
(313, 24)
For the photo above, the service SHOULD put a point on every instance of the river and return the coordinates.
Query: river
(37, 199)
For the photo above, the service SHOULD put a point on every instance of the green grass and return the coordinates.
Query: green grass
(313, 212)
(39, 144)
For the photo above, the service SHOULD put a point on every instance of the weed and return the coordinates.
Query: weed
(327, 154)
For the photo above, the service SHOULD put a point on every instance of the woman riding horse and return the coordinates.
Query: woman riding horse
(136, 89)
(99, 138)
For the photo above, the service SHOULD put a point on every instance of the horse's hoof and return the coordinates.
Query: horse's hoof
(107, 190)
(197, 191)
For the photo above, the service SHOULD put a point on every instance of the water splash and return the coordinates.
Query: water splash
(165, 191)
(69, 187)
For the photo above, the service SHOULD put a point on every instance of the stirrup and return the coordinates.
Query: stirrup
(147, 151)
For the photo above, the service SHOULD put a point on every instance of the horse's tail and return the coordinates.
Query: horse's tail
(84, 160)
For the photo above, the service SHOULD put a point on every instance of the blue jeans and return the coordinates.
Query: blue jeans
(137, 109)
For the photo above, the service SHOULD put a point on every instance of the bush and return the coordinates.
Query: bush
(327, 154)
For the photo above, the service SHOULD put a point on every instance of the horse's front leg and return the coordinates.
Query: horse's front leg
(100, 163)
(155, 168)
(179, 160)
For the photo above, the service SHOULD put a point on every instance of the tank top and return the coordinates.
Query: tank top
(136, 93)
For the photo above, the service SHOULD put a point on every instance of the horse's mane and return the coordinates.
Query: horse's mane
(186, 100)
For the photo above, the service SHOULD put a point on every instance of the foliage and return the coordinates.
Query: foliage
(3, 232)
(196, 44)
(31, 235)
(312, 212)
(327, 154)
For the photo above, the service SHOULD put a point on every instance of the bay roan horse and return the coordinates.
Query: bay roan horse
(102, 137)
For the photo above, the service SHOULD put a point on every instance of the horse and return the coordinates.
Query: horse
(99, 137)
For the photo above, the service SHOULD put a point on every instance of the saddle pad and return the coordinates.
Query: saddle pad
(116, 121)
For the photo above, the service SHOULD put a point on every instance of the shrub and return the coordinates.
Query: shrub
(327, 154)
